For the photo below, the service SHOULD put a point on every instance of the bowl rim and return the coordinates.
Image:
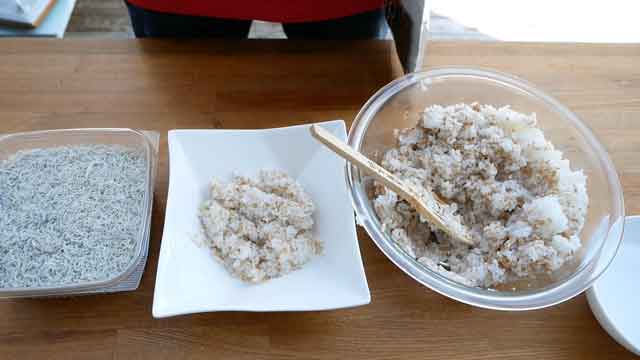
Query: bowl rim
(550, 295)
(82, 287)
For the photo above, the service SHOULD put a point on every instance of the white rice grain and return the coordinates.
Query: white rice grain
(524, 205)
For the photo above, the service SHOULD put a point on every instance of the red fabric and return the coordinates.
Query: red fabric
(268, 10)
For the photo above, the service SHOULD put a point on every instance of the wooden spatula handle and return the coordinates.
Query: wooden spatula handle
(433, 212)
(362, 162)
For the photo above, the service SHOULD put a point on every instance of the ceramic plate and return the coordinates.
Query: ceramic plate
(615, 296)
(190, 280)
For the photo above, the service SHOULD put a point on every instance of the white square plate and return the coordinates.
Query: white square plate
(190, 280)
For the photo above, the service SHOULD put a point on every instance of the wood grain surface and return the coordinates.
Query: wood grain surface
(162, 85)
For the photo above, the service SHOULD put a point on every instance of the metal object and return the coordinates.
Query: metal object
(409, 23)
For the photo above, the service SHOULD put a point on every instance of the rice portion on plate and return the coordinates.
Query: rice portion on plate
(519, 197)
(259, 228)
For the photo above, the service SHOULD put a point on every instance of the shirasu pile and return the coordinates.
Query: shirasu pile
(69, 215)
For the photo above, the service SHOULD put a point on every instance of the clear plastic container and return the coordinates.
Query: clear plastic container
(372, 133)
(147, 142)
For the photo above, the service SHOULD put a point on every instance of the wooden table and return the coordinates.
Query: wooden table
(164, 85)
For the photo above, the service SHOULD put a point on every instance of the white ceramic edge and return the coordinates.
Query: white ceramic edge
(329, 122)
(155, 311)
(601, 313)
(159, 313)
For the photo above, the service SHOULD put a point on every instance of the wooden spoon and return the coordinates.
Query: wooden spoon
(425, 202)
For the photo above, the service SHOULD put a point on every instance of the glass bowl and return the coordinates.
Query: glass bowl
(372, 133)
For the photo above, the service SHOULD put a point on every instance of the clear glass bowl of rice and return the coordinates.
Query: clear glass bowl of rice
(391, 108)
